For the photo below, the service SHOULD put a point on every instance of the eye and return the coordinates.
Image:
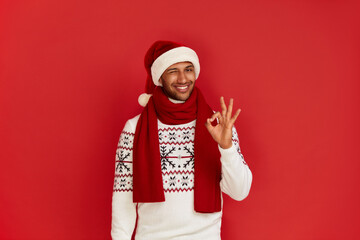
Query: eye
(189, 69)
(172, 71)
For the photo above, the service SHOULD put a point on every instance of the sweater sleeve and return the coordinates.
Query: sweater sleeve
(123, 209)
(236, 175)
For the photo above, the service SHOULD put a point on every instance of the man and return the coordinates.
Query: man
(176, 157)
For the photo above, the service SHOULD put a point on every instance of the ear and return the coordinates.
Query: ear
(161, 80)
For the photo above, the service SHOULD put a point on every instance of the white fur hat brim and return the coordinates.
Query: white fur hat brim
(175, 55)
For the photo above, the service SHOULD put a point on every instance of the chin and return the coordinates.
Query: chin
(181, 97)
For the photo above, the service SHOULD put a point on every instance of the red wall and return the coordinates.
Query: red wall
(71, 72)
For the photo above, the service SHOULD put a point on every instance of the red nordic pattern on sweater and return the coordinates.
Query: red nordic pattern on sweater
(123, 182)
(236, 143)
(125, 148)
(177, 159)
(177, 143)
(179, 190)
(178, 172)
(123, 161)
(123, 175)
(128, 133)
(123, 190)
(176, 129)
(126, 140)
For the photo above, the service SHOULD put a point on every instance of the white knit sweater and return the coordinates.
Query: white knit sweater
(175, 218)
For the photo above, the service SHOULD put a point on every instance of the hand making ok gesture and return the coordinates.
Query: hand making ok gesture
(222, 132)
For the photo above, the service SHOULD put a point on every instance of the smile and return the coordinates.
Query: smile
(182, 89)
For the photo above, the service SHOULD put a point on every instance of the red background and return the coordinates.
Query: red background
(71, 72)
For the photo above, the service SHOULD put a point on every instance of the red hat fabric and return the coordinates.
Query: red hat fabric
(159, 57)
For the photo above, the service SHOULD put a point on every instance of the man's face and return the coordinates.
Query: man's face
(178, 80)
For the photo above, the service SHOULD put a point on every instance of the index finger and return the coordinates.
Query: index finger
(229, 112)
(223, 106)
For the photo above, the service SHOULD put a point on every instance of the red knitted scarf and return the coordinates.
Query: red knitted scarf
(147, 173)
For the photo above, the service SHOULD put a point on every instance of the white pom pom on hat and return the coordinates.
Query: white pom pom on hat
(160, 56)
(144, 99)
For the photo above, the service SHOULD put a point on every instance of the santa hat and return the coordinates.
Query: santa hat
(160, 56)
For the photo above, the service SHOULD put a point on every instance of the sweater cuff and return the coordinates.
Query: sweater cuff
(228, 153)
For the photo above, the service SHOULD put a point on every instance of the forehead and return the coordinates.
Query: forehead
(180, 65)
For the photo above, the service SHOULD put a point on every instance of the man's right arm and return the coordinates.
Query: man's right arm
(123, 207)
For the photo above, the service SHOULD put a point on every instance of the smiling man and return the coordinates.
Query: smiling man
(175, 159)
(178, 81)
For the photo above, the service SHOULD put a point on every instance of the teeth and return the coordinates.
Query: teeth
(182, 87)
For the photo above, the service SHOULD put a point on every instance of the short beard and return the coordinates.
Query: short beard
(173, 96)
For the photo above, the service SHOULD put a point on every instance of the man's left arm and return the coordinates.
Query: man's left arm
(236, 175)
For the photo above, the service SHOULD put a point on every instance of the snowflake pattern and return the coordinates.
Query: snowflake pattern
(123, 161)
(166, 160)
(176, 156)
(121, 164)
(122, 183)
(191, 157)
(186, 135)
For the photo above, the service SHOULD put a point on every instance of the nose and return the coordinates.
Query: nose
(181, 77)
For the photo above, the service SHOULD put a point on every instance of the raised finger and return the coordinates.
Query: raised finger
(233, 119)
(223, 106)
(229, 112)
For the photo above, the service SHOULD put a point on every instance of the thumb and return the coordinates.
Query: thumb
(208, 125)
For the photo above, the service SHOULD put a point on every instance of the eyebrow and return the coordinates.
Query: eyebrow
(171, 69)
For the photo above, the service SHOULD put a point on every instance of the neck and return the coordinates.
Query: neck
(175, 100)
